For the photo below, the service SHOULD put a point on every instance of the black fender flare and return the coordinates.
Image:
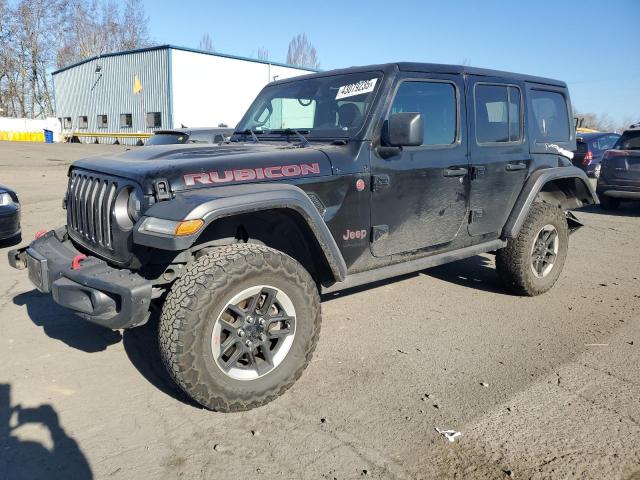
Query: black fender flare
(211, 204)
(534, 185)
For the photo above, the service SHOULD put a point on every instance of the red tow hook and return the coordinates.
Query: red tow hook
(40, 233)
(75, 265)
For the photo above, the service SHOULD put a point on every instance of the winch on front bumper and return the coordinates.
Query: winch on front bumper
(111, 297)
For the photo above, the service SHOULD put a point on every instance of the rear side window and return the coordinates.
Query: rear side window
(551, 117)
(437, 103)
(498, 118)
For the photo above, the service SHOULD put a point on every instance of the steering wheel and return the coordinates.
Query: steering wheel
(302, 101)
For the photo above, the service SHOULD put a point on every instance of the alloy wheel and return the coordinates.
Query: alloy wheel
(253, 333)
(544, 251)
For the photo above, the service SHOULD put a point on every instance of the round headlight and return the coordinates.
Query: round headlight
(134, 205)
(127, 208)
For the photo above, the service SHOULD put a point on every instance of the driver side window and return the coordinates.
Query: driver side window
(436, 101)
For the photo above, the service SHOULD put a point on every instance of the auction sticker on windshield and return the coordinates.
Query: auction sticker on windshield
(353, 89)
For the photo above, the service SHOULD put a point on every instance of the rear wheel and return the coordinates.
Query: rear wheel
(531, 263)
(609, 203)
(240, 326)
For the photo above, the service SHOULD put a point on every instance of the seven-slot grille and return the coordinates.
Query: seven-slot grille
(89, 204)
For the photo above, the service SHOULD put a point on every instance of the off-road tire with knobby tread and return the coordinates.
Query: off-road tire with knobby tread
(513, 262)
(194, 303)
(609, 203)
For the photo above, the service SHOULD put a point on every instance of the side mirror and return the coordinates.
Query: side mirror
(405, 129)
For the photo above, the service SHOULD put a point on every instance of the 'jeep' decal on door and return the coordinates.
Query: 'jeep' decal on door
(249, 174)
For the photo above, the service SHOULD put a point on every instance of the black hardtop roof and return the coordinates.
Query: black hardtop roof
(431, 68)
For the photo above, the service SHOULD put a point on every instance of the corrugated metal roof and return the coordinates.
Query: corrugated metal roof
(186, 49)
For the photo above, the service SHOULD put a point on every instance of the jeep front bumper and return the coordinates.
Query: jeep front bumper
(112, 297)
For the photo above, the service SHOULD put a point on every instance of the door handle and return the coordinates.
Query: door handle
(516, 166)
(455, 172)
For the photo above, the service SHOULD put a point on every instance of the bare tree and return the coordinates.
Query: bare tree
(263, 54)
(95, 27)
(600, 122)
(206, 43)
(301, 53)
(133, 26)
(36, 36)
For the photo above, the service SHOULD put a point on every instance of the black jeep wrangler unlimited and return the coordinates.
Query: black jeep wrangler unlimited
(331, 180)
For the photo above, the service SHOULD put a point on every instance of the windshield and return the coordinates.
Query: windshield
(325, 107)
(167, 138)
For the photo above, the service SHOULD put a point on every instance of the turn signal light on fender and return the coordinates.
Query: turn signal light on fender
(188, 227)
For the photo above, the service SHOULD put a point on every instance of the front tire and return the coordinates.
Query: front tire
(531, 263)
(239, 326)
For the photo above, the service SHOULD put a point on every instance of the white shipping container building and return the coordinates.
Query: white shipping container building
(163, 87)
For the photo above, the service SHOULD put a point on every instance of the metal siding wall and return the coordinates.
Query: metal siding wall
(81, 91)
(209, 89)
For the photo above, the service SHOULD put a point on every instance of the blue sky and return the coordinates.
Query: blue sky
(593, 46)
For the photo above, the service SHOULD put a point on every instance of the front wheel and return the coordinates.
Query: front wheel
(531, 263)
(240, 326)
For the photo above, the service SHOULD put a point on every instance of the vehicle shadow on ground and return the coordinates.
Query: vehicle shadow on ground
(60, 324)
(31, 459)
(140, 344)
(474, 272)
(626, 209)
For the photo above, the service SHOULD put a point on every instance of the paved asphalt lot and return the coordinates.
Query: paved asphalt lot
(544, 387)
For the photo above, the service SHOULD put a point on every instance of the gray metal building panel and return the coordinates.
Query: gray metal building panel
(84, 91)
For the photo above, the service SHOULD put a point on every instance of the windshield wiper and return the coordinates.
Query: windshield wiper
(290, 131)
(249, 132)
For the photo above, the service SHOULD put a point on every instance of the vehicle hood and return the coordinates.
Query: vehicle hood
(188, 167)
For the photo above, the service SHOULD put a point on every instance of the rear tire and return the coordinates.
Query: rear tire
(531, 263)
(216, 336)
(609, 203)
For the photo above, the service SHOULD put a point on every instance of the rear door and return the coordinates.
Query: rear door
(499, 153)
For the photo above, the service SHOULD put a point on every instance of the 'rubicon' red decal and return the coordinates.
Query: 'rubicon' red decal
(249, 174)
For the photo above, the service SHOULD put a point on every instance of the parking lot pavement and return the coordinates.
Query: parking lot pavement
(543, 387)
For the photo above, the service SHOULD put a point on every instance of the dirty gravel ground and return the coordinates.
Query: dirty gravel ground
(545, 387)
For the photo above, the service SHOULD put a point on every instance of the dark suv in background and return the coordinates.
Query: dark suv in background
(591, 148)
(620, 173)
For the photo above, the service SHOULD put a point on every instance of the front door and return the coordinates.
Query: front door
(420, 196)
(499, 154)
